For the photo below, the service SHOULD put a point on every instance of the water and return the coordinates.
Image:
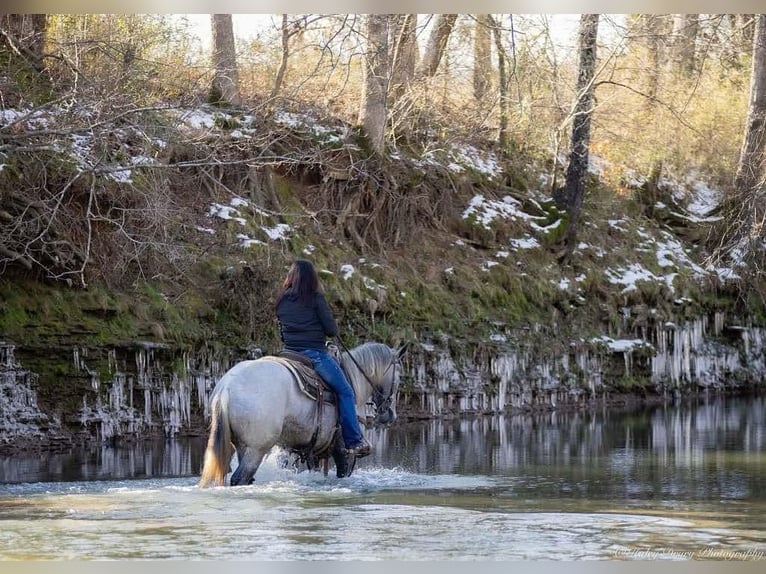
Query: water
(671, 483)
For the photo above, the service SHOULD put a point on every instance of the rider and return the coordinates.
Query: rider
(305, 322)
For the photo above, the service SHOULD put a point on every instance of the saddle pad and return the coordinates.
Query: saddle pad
(307, 378)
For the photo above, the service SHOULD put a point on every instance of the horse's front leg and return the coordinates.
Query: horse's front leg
(341, 458)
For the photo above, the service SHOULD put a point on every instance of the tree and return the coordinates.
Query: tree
(751, 159)
(225, 87)
(502, 58)
(577, 170)
(685, 30)
(482, 52)
(654, 26)
(437, 43)
(373, 113)
(285, 56)
(405, 55)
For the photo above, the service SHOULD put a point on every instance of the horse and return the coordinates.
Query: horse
(257, 405)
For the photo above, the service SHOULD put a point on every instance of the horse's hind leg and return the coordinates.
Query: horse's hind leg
(249, 461)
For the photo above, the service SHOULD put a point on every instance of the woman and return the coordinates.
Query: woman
(305, 322)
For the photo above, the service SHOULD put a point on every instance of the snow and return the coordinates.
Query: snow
(704, 199)
(280, 231)
(198, 119)
(346, 271)
(485, 211)
(524, 243)
(246, 241)
(620, 345)
(326, 134)
(470, 157)
(226, 212)
(629, 276)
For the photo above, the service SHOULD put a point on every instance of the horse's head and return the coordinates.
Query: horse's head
(373, 368)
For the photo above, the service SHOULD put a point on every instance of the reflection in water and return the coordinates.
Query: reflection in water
(668, 483)
(707, 450)
(104, 462)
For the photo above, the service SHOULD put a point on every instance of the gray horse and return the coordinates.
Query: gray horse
(257, 405)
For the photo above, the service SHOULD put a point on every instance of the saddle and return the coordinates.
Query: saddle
(314, 387)
(302, 370)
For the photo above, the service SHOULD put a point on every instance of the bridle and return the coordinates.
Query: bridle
(381, 401)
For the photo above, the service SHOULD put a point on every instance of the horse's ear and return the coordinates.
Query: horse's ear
(400, 352)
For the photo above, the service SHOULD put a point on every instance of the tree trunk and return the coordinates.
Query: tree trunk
(437, 43)
(655, 28)
(285, 55)
(373, 114)
(685, 30)
(502, 75)
(746, 25)
(751, 159)
(577, 170)
(225, 86)
(405, 55)
(482, 54)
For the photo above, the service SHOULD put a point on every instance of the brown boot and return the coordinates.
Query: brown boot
(360, 450)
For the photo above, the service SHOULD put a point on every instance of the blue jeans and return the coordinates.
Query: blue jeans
(327, 368)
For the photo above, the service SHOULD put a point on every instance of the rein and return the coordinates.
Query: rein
(387, 400)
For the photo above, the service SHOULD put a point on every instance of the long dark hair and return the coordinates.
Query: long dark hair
(301, 282)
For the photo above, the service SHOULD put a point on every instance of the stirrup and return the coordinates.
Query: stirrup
(362, 449)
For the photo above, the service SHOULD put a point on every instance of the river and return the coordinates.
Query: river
(677, 482)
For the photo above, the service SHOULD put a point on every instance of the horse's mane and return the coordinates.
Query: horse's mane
(374, 358)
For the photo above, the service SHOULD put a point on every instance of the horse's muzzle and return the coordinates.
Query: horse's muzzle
(387, 417)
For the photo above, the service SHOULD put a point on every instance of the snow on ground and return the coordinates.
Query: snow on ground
(485, 211)
(469, 156)
(325, 134)
(458, 159)
(704, 199)
(347, 271)
(232, 212)
(524, 243)
(633, 273)
(620, 345)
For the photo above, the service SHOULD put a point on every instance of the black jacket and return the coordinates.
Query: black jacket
(305, 326)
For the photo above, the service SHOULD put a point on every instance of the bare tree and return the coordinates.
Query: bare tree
(373, 113)
(482, 54)
(577, 170)
(685, 31)
(751, 159)
(437, 43)
(285, 55)
(225, 86)
(405, 54)
(503, 82)
(655, 29)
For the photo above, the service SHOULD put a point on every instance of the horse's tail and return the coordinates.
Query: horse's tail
(219, 448)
